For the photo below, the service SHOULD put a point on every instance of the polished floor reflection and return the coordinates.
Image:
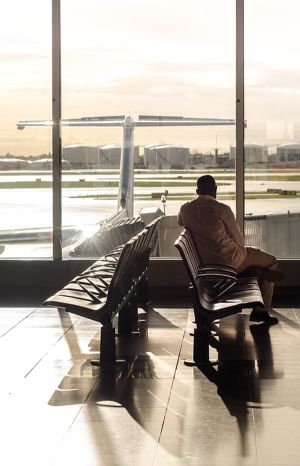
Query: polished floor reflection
(57, 409)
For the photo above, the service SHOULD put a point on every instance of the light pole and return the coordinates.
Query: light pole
(164, 201)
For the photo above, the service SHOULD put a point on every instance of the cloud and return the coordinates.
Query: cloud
(275, 79)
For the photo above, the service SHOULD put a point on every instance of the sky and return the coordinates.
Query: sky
(150, 57)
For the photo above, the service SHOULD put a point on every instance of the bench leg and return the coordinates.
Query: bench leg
(143, 290)
(200, 347)
(202, 335)
(107, 348)
(128, 318)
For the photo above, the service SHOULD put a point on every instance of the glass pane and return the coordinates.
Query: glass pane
(146, 58)
(25, 156)
(272, 151)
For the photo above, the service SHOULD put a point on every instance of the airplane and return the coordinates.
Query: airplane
(126, 181)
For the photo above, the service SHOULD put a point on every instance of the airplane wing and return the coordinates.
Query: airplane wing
(86, 121)
(125, 197)
(143, 120)
(23, 124)
(148, 120)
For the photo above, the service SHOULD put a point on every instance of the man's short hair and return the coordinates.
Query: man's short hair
(206, 185)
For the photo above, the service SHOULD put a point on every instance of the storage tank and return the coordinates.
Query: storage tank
(82, 156)
(166, 156)
(254, 154)
(288, 153)
(46, 164)
(13, 163)
(110, 155)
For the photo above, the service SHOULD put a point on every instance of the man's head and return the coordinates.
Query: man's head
(207, 185)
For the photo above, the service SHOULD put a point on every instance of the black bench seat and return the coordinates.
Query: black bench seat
(109, 287)
(217, 291)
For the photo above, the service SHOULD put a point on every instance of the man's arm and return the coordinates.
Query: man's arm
(232, 227)
(180, 219)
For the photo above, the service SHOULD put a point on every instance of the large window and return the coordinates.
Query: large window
(154, 59)
(150, 58)
(25, 156)
(272, 137)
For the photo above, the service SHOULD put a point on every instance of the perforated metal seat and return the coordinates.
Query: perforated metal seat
(103, 290)
(217, 292)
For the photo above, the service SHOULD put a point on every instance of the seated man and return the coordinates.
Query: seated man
(219, 241)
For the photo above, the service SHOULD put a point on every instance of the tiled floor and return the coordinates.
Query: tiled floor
(56, 409)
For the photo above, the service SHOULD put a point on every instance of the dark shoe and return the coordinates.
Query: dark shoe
(262, 315)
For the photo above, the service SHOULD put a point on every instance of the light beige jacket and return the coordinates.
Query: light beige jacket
(217, 235)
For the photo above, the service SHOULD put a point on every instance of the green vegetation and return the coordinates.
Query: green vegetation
(191, 195)
(180, 184)
(139, 183)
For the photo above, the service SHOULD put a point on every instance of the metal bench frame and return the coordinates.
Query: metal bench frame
(217, 292)
(110, 287)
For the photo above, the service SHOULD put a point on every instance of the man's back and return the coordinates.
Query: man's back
(215, 230)
(220, 241)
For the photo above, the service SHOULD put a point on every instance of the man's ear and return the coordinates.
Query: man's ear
(197, 191)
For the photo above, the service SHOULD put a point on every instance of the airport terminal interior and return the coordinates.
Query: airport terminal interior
(110, 112)
(58, 409)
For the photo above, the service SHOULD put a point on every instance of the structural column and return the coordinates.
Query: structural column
(56, 130)
(240, 115)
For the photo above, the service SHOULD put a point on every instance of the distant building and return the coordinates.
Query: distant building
(166, 156)
(288, 153)
(81, 156)
(11, 163)
(107, 156)
(254, 154)
(110, 155)
(46, 164)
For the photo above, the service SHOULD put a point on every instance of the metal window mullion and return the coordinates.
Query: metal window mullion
(240, 115)
(56, 130)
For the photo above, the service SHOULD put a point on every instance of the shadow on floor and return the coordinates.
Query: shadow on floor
(237, 379)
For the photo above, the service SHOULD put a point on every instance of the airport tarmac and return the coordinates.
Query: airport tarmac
(30, 208)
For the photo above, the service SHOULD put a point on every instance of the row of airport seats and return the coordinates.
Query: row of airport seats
(217, 291)
(111, 287)
(109, 237)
